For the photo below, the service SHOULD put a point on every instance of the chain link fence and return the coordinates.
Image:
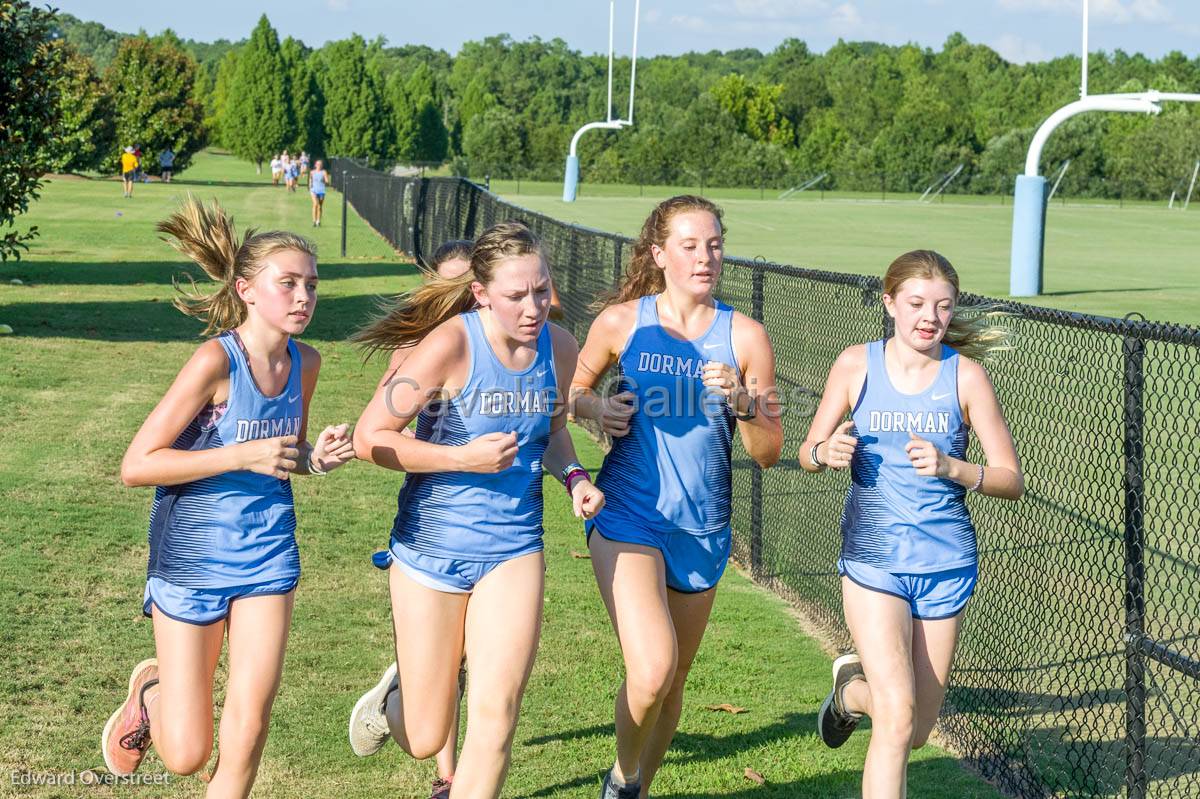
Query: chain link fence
(1078, 674)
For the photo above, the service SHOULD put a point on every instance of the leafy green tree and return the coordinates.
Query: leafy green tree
(30, 76)
(304, 96)
(217, 102)
(492, 142)
(88, 134)
(152, 81)
(356, 121)
(259, 119)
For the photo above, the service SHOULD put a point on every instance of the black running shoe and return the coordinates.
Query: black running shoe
(610, 790)
(834, 722)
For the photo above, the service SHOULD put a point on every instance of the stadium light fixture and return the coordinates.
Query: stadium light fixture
(571, 177)
(1030, 195)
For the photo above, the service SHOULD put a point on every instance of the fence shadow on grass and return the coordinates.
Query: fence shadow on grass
(162, 273)
(159, 320)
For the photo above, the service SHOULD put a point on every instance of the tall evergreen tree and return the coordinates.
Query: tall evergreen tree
(259, 119)
(356, 122)
(305, 97)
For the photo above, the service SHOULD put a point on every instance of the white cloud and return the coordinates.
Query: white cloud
(1017, 50)
(845, 19)
(778, 9)
(691, 23)
(1120, 12)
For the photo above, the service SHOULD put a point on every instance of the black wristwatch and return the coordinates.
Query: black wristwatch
(750, 413)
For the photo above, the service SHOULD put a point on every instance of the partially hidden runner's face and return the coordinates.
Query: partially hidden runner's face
(284, 292)
(453, 267)
(518, 296)
(691, 257)
(922, 308)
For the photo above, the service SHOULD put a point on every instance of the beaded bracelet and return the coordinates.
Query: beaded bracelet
(979, 482)
(314, 468)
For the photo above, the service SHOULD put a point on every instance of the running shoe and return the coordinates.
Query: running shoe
(834, 722)
(126, 736)
(610, 789)
(368, 724)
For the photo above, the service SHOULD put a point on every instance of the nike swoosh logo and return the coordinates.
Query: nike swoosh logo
(293, 397)
(541, 373)
(936, 397)
(712, 346)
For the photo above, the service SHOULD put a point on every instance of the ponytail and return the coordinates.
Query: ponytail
(411, 316)
(643, 276)
(205, 234)
(973, 330)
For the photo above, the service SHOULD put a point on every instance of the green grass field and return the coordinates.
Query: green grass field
(95, 345)
(1100, 258)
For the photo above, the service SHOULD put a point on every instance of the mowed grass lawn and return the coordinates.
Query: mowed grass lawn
(96, 343)
(1100, 258)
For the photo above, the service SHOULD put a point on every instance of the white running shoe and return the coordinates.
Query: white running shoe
(368, 725)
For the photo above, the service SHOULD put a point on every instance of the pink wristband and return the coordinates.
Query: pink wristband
(572, 476)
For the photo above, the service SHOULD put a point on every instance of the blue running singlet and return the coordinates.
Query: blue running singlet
(316, 181)
(895, 519)
(477, 517)
(671, 473)
(236, 528)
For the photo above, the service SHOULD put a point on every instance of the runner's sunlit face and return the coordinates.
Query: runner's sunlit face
(922, 308)
(518, 296)
(691, 257)
(284, 292)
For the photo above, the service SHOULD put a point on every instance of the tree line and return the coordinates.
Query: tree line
(870, 116)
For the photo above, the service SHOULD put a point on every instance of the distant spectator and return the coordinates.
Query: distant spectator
(129, 165)
(166, 160)
(276, 170)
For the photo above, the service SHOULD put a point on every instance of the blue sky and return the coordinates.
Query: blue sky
(1020, 30)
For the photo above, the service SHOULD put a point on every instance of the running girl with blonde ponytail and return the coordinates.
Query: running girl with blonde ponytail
(485, 380)
(908, 561)
(221, 447)
(691, 370)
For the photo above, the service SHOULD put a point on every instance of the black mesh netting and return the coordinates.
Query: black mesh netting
(1079, 668)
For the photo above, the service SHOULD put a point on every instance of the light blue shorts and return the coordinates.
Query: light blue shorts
(204, 605)
(449, 575)
(694, 563)
(931, 596)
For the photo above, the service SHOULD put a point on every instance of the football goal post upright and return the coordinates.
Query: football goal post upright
(1030, 194)
(571, 176)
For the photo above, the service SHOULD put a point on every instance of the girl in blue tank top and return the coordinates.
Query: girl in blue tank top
(909, 560)
(220, 448)
(316, 189)
(689, 370)
(485, 382)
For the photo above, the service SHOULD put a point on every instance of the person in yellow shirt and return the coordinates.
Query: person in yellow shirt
(129, 165)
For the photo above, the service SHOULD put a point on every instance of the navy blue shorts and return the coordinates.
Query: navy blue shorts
(932, 596)
(694, 563)
(204, 605)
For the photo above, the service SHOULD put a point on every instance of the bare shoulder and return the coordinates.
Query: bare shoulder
(745, 327)
(563, 341)
(209, 361)
(852, 359)
(310, 359)
(616, 319)
(972, 374)
(448, 338)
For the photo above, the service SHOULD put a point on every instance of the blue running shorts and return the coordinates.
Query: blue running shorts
(931, 596)
(694, 563)
(204, 605)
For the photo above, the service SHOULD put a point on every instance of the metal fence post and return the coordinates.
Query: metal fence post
(756, 476)
(419, 217)
(617, 245)
(1134, 350)
(345, 207)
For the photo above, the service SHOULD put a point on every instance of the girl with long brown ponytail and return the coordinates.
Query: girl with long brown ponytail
(221, 447)
(909, 561)
(484, 380)
(691, 370)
